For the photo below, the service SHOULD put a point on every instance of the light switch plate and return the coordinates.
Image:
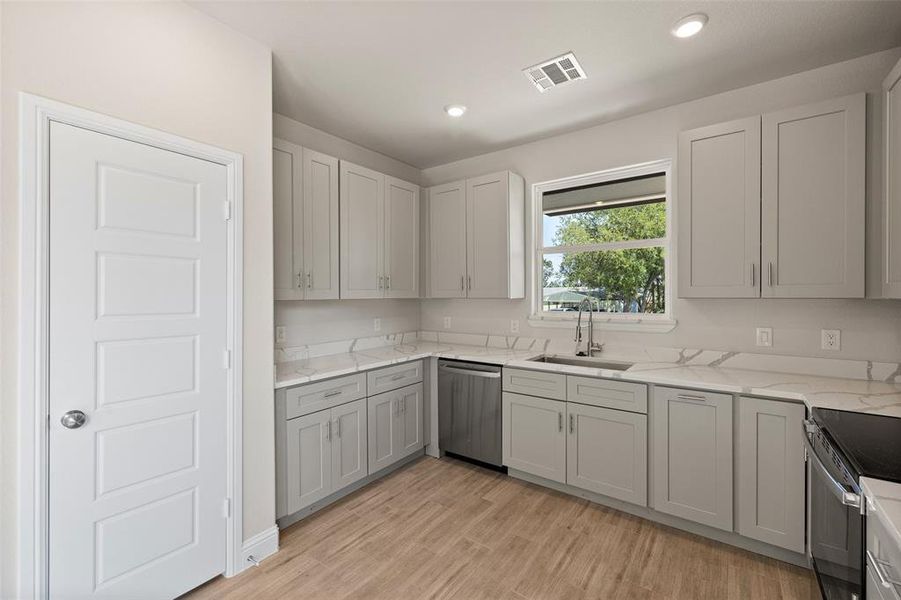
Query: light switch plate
(447, 322)
(765, 336)
(279, 334)
(831, 339)
(376, 324)
(514, 326)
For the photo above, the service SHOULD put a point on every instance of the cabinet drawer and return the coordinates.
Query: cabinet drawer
(606, 393)
(535, 383)
(392, 378)
(306, 399)
(883, 548)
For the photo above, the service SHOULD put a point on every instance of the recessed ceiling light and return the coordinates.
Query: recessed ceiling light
(455, 110)
(690, 25)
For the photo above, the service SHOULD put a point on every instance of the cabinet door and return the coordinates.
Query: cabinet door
(447, 240)
(719, 211)
(362, 232)
(401, 239)
(814, 167)
(349, 425)
(534, 440)
(409, 425)
(308, 460)
(382, 421)
(891, 285)
(320, 239)
(693, 455)
(607, 452)
(771, 477)
(287, 195)
(487, 256)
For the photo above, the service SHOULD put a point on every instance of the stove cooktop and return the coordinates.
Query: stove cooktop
(870, 443)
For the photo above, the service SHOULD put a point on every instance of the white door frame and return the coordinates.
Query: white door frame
(32, 491)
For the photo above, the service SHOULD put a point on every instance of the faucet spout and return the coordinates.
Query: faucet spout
(591, 346)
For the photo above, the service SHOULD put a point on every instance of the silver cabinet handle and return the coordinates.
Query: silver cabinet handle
(388, 282)
(753, 278)
(300, 278)
(462, 283)
(338, 427)
(333, 393)
(695, 397)
(469, 282)
(769, 271)
(397, 377)
(572, 423)
(73, 419)
(328, 430)
(310, 280)
(471, 373)
(559, 421)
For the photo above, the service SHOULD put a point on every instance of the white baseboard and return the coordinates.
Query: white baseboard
(260, 546)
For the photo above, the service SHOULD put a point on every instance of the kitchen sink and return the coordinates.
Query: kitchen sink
(584, 361)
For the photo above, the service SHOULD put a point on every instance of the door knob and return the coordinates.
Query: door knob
(73, 419)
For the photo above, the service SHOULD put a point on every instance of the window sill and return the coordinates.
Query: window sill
(636, 324)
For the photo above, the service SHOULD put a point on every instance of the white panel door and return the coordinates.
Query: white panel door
(719, 211)
(487, 231)
(308, 459)
(891, 284)
(320, 233)
(607, 452)
(349, 426)
(137, 318)
(288, 220)
(813, 211)
(362, 232)
(409, 426)
(401, 239)
(534, 440)
(693, 455)
(447, 240)
(381, 423)
(771, 477)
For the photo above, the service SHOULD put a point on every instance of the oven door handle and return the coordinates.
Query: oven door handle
(844, 496)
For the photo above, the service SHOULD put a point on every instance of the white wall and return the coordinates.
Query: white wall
(168, 66)
(871, 329)
(316, 321)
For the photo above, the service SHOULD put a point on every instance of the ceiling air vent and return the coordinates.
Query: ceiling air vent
(554, 72)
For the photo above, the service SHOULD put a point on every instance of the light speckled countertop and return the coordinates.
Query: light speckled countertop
(861, 395)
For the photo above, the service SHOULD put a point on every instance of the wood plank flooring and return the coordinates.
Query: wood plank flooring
(447, 529)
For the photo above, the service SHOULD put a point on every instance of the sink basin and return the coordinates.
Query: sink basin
(584, 361)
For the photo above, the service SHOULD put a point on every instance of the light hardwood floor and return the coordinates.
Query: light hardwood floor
(447, 529)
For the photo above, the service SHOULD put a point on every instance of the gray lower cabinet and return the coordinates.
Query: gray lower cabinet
(325, 451)
(395, 426)
(534, 439)
(693, 455)
(607, 452)
(771, 472)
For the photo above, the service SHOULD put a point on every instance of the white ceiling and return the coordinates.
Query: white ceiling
(380, 73)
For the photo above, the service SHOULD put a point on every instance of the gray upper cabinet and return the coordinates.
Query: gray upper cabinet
(362, 232)
(813, 200)
(774, 206)
(401, 239)
(305, 207)
(891, 284)
(693, 455)
(719, 210)
(477, 238)
(771, 472)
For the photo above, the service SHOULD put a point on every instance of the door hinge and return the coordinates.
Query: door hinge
(227, 210)
(227, 507)
(226, 359)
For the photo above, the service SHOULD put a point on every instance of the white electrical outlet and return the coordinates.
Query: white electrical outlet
(831, 339)
(447, 322)
(279, 334)
(514, 326)
(765, 336)
(377, 324)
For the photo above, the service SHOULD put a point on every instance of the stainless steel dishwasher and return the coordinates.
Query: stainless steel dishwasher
(469, 411)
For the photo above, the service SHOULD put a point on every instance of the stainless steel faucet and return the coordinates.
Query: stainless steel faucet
(592, 346)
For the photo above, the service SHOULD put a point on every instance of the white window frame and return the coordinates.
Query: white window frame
(619, 321)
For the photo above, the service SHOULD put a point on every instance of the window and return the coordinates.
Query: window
(604, 237)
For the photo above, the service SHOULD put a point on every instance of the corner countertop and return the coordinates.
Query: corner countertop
(859, 395)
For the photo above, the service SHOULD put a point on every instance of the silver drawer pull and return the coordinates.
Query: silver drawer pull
(692, 397)
(398, 376)
(559, 421)
(333, 393)
(877, 568)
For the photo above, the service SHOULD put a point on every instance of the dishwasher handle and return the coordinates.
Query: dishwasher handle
(470, 372)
